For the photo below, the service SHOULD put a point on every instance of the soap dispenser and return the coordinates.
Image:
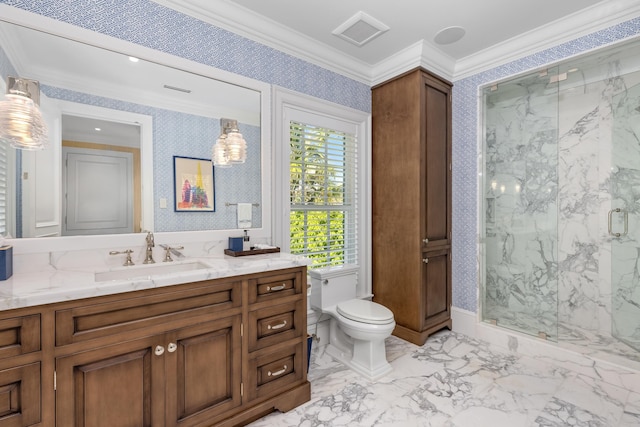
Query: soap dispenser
(246, 244)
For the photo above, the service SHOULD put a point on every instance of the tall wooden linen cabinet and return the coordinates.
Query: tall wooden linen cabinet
(411, 202)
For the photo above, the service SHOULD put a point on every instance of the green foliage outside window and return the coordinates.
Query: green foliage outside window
(317, 194)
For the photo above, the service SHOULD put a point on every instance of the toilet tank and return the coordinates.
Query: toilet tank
(332, 285)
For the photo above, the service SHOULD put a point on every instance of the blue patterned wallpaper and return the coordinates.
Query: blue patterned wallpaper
(465, 150)
(149, 24)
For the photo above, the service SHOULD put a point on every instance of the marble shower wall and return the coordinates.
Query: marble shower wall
(548, 185)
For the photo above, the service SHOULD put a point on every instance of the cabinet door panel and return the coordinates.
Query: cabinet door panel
(20, 396)
(436, 282)
(117, 386)
(436, 189)
(204, 371)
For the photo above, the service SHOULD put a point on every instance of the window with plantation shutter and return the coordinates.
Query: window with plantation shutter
(323, 194)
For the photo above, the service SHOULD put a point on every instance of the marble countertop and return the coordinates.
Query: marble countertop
(55, 283)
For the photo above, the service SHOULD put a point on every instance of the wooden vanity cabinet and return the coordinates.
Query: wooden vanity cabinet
(191, 355)
(411, 202)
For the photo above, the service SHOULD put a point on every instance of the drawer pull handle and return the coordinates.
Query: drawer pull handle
(276, 373)
(159, 350)
(276, 288)
(278, 326)
(172, 347)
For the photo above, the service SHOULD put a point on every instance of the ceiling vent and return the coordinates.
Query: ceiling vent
(360, 29)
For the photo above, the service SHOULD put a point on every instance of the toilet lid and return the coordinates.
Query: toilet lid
(365, 311)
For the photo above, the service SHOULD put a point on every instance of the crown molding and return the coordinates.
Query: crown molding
(246, 23)
(419, 54)
(587, 21)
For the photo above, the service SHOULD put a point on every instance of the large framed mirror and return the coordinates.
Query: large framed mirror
(116, 115)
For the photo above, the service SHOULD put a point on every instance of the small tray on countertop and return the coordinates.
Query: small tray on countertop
(251, 252)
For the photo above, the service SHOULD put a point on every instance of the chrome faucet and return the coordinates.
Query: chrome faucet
(148, 259)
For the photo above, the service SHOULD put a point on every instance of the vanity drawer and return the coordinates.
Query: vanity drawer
(275, 324)
(19, 335)
(278, 369)
(151, 309)
(277, 286)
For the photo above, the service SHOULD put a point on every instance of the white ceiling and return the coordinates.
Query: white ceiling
(495, 30)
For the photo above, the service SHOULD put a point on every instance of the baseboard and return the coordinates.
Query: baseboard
(464, 322)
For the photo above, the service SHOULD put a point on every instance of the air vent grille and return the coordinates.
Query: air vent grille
(360, 29)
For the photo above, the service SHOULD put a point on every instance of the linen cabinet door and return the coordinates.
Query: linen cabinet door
(204, 372)
(436, 187)
(115, 386)
(436, 289)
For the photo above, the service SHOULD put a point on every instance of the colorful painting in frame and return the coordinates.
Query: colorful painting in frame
(193, 184)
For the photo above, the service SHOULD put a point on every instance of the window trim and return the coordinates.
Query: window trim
(286, 102)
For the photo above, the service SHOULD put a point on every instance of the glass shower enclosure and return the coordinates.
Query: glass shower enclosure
(560, 196)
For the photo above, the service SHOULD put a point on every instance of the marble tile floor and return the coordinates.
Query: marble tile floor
(454, 380)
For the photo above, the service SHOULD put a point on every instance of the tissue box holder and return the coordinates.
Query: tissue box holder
(6, 262)
(235, 244)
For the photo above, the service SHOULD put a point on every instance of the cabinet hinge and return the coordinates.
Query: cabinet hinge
(54, 381)
(241, 389)
(241, 329)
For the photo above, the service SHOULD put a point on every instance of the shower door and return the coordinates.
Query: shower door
(624, 217)
(519, 195)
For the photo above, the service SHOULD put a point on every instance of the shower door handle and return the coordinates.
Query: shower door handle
(625, 216)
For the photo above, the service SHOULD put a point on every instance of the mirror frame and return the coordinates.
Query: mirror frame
(134, 240)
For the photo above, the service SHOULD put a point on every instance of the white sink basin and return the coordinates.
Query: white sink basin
(149, 271)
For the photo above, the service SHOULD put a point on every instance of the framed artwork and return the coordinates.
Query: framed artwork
(193, 185)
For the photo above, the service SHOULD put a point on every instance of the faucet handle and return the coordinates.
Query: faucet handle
(168, 249)
(128, 261)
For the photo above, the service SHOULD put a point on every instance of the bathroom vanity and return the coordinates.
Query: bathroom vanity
(217, 346)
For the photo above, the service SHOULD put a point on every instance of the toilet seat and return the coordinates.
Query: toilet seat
(365, 312)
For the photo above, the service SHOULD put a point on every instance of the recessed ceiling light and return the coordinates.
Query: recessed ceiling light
(98, 129)
(133, 59)
(449, 35)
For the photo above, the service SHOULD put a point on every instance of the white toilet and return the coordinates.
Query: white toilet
(358, 327)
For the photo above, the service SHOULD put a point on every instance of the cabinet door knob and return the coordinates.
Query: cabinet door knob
(425, 260)
(172, 347)
(425, 241)
(159, 350)
(276, 288)
(278, 326)
(276, 373)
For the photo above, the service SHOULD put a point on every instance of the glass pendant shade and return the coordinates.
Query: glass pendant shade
(237, 147)
(220, 153)
(21, 123)
(230, 148)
